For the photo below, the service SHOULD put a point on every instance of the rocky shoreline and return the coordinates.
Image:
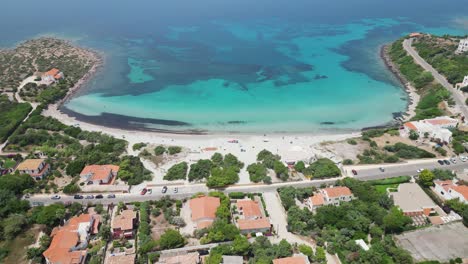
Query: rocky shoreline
(413, 96)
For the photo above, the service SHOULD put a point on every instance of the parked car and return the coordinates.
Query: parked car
(143, 192)
(150, 191)
(26, 196)
(164, 189)
(55, 197)
(354, 172)
(89, 196)
(463, 158)
(441, 162)
(77, 196)
(382, 169)
(447, 162)
(453, 160)
(419, 170)
(99, 196)
(176, 190)
(111, 195)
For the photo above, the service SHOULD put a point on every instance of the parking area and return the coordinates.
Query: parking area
(440, 243)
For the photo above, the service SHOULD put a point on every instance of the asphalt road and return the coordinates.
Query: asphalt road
(405, 169)
(457, 96)
(187, 191)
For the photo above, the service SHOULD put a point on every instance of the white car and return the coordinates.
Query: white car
(463, 158)
(419, 171)
(55, 197)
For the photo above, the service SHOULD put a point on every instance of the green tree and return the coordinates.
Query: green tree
(241, 245)
(200, 170)
(171, 239)
(75, 167)
(413, 135)
(105, 232)
(172, 150)
(426, 177)
(320, 255)
(281, 170)
(395, 221)
(71, 188)
(306, 250)
(284, 249)
(257, 172)
(48, 215)
(13, 225)
(159, 150)
(177, 172)
(16, 183)
(300, 166)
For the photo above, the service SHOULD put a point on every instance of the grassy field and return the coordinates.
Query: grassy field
(19, 246)
(382, 185)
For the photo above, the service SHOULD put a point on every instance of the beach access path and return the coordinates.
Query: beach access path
(457, 95)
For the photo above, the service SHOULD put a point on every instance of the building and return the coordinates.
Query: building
(36, 168)
(204, 210)
(69, 243)
(462, 46)
(188, 258)
(121, 258)
(412, 200)
(232, 259)
(123, 224)
(332, 195)
(436, 128)
(465, 81)
(99, 174)
(52, 76)
(450, 190)
(415, 35)
(296, 259)
(252, 219)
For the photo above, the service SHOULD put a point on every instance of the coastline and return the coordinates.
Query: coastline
(413, 96)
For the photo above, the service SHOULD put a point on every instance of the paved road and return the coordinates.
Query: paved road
(373, 172)
(457, 96)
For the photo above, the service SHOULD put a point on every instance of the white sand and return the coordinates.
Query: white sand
(300, 146)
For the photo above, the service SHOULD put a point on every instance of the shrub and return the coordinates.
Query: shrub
(177, 172)
(172, 150)
(159, 150)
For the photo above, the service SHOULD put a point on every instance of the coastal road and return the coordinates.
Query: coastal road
(373, 172)
(365, 173)
(457, 95)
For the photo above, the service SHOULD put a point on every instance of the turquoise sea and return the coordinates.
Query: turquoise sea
(268, 66)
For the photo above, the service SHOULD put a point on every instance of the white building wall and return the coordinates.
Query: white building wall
(442, 192)
(463, 46)
(457, 195)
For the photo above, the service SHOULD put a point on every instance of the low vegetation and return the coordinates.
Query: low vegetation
(11, 116)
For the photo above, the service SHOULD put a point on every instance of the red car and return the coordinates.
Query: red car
(143, 192)
(354, 172)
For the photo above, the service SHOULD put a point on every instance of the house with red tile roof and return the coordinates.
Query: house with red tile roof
(296, 259)
(69, 243)
(52, 76)
(413, 201)
(436, 128)
(123, 224)
(332, 195)
(450, 190)
(251, 218)
(99, 174)
(36, 168)
(203, 210)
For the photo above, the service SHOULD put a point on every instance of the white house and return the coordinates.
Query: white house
(436, 128)
(326, 196)
(462, 46)
(450, 190)
(465, 81)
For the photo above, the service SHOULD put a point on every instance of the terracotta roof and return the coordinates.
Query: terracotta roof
(30, 164)
(317, 199)
(52, 72)
(189, 258)
(99, 172)
(249, 208)
(462, 189)
(204, 207)
(204, 224)
(124, 221)
(411, 126)
(121, 259)
(248, 224)
(445, 184)
(64, 239)
(440, 121)
(290, 260)
(337, 191)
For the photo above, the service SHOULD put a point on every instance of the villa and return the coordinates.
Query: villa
(412, 200)
(52, 76)
(435, 128)
(69, 243)
(450, 190)
(204, 210)
(332, 195)
(462, 46)
(99, 174)
(296, 259)
(123, 224)
(252, 220)
(36, 168)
